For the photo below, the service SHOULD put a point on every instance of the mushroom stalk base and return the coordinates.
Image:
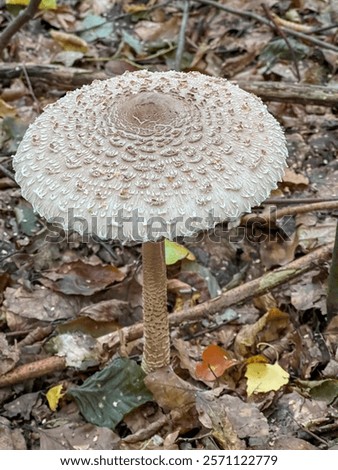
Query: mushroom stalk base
(156, 350)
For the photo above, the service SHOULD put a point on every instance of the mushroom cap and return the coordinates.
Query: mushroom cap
(150, 154)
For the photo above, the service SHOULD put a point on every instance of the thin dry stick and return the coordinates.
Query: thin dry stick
(261, 19)
(294, 210)
(33, 370)
(6, 172)
(26, 15)
(235, 296)
(301, 200)
(181, 36)
(279, 31)
(146, 433)
(30, 88)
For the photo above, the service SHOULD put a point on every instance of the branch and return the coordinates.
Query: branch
(292, 93)
(32, 370)
(235, 296)
(291, 210)
(181, 36)
(68, 78)
(26, 15)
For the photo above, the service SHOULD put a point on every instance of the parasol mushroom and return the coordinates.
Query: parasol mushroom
(145, 156)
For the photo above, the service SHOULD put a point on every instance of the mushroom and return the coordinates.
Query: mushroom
(149, 155)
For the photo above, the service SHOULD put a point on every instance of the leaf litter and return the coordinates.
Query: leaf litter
(68, 297)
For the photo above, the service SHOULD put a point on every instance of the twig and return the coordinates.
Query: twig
(181, 36)
(293, 210)
(26, 15)
(261, 19)
(148, 432)
(210, 329)
(33, 370)
(307, 430)
(6, 172)
(235, 296)
(30, 88)
(279, 31)
(303, 209)
(283, 201)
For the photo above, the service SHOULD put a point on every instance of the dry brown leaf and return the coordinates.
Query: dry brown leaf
(293, 411)
(291, 443)
(22, 407)
(149, 31)
(294, 181)
(247, 421)
(24, 309)
(307, 293)
(11, 439)
(214, 416)
(169, 390)
(62, 18)
(78, 436)
(184, 350)
(278, 252)
(107, 311)
(69, 42)
(268, 328)
(80, 278)
(9, 355)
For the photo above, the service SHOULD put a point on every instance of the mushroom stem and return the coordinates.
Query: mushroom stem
(156, 350)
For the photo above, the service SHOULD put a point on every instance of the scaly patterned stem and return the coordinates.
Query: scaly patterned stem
(156, 351)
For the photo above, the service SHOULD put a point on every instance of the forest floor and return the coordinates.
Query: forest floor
(69, 332)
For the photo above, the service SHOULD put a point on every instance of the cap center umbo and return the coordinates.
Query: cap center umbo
(148, 110)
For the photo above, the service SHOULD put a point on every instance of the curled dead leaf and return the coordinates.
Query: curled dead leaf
(215, 361)
(268, 328)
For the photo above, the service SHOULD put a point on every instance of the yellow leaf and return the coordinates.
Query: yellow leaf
(6, 109)
(257, 358)
(262, 378)
(44, 5)
(69, 42)
(53, 396)
(175, 252)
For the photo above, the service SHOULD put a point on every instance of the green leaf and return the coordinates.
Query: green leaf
(95, 27)
(107, 396)
(193, 266)
(12, 130)
(324, 390)
(278, 49)
(133, 42)
(175, 252)
(27, 220)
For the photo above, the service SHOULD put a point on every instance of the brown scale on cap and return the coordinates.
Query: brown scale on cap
(168, 144)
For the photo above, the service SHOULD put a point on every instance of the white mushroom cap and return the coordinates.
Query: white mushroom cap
(162, 145)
